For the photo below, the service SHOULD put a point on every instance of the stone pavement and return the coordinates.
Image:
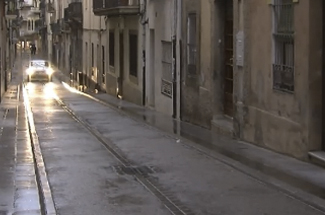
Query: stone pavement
(19, 193)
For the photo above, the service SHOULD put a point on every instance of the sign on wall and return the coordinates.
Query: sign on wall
(240, 48)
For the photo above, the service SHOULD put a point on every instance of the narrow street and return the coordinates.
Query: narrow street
(100, 161)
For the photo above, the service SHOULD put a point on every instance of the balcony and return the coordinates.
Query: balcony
(12, 13)
(35, 10)
(74, 12)
(16, 23)
(24, 5)
(55, 28)
(64, 26)
(112, 8)
(60, 27)
(50, 7)
(39, 24)
(11, 10)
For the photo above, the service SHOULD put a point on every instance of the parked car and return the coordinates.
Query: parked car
(39, 70)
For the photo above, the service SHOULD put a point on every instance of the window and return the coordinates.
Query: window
(28, 24)
(191, 44)
(167, 77)
(103, 64)
(111, 48)
(133, 50)
(283, 37)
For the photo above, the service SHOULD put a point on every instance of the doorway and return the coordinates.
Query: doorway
(228, 60)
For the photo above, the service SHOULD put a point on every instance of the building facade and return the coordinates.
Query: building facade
(125, 70)
(143, 53)
(278, 75)
(94, 48)
(162, 62)
(3, 49)
(29, 16)
(244, 74)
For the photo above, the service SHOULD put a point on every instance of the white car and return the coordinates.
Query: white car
(39, 70)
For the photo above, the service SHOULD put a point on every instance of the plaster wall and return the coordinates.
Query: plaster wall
(274, 119)
(160, 29)
(131, 85)
(90, 21)
(196, 89)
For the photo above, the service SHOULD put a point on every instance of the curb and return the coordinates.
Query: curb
(46, 199)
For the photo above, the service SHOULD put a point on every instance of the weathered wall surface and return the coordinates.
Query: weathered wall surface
(284, 122)
(196, 100)
(132, 86)
(162, 17)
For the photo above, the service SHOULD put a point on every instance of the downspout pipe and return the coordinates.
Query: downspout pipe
(144, 21)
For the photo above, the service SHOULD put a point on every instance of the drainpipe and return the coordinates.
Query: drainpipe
(144, 21)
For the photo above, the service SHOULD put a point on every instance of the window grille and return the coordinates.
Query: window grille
(167, 76)
(283, 35)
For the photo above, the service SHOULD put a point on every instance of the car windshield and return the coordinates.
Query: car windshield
(40, 63)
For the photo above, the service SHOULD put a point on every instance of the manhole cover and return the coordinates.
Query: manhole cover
(133, 170)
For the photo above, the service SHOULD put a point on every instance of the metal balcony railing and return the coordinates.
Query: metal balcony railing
(75, 9)
(12, 12)
(115, 7)
(74, 12)
(35, 10)
(106, 4)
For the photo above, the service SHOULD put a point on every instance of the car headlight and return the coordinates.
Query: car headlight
(49, 71)
(29, 71)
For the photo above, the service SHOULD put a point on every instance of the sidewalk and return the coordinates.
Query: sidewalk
(290, 175)
(18, 188)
